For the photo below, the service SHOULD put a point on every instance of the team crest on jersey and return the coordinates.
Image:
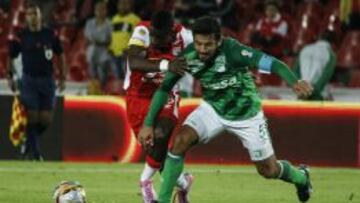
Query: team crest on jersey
(219, 65)
(48, 53)
(142, 32)
(246, 53)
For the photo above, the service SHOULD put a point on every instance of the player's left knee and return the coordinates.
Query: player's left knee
(45, 119)
(268, 172)
(160, 133)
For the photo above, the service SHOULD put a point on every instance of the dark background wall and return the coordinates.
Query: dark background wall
(89, 129)
(51, 141)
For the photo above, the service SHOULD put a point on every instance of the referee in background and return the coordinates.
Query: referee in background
(37, 44)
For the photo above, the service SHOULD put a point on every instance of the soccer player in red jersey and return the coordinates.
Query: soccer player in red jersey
(153, 47)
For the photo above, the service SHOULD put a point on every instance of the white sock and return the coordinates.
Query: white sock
(148, 172)
(182, 182)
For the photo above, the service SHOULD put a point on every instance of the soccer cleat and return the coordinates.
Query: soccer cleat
(182, 193)
(304, 191)
(147, 191)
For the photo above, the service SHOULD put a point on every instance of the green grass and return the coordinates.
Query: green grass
(29, 182)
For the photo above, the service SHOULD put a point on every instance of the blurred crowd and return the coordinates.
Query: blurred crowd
(318, 38)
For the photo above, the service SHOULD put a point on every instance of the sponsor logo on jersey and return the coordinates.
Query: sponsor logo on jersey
(219, 65)
(195, 65)
(223, 84)
(247, 53)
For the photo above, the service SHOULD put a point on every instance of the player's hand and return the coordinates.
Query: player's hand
(303, 89)
(178, 65)
(61, 84)
(146, 136)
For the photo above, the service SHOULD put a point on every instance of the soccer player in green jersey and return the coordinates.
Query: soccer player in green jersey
(231, 103)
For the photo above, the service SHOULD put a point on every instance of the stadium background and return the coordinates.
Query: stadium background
(95, 128)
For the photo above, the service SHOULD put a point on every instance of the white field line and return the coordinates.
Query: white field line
(129, 170)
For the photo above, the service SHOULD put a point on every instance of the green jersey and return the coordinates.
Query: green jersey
(226, 81)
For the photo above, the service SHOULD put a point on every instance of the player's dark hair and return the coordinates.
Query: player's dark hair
(31, 4)
(162, 23)
(207, 26)
(272, 3)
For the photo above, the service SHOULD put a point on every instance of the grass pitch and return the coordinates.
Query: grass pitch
(30, 182)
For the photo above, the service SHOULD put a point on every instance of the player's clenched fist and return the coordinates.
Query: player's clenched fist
(303, 89)
(178, 65)
(146, 136)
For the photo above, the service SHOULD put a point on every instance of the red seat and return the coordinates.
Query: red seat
(78, 67)
(306, 26)
(348, 54)
(270, 80)
(331, 20)
(355, 79)
(3, 63)
(244, 35)
(301, 36)
(229, 33)
(312, 9)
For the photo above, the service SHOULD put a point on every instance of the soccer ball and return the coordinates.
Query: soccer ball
(69, 192)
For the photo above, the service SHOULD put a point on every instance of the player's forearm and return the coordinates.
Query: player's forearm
(326, 74)
(142, 64)
(281, 69)
(161, 97)
(63, 67)
(159, 100)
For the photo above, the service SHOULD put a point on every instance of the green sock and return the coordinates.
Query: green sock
(291, 174)
(171, 172)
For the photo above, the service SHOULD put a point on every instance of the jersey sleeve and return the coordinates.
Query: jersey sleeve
(14, 45)
(326, 74)
(56, 43)
(253, 58)
(243, 55)
(140, 37)
(161, 97)
(187, 36)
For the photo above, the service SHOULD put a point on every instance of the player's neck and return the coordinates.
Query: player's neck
(35, 28)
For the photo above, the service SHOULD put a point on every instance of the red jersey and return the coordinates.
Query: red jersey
(270, 28)
(142, 84)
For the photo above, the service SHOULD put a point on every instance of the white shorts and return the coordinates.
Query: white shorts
(252, 132)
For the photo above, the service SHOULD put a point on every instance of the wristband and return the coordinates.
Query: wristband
(164, 65)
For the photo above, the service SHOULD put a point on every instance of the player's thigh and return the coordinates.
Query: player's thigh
(205, 122)
(33, 116)
(254, 135)
(45, 117)
(46, 88)
(184, 140)
(29, 95)
(136, 110)
(164, 127)
(167, 118)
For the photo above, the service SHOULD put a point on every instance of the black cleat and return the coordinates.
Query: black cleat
(304, 191)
